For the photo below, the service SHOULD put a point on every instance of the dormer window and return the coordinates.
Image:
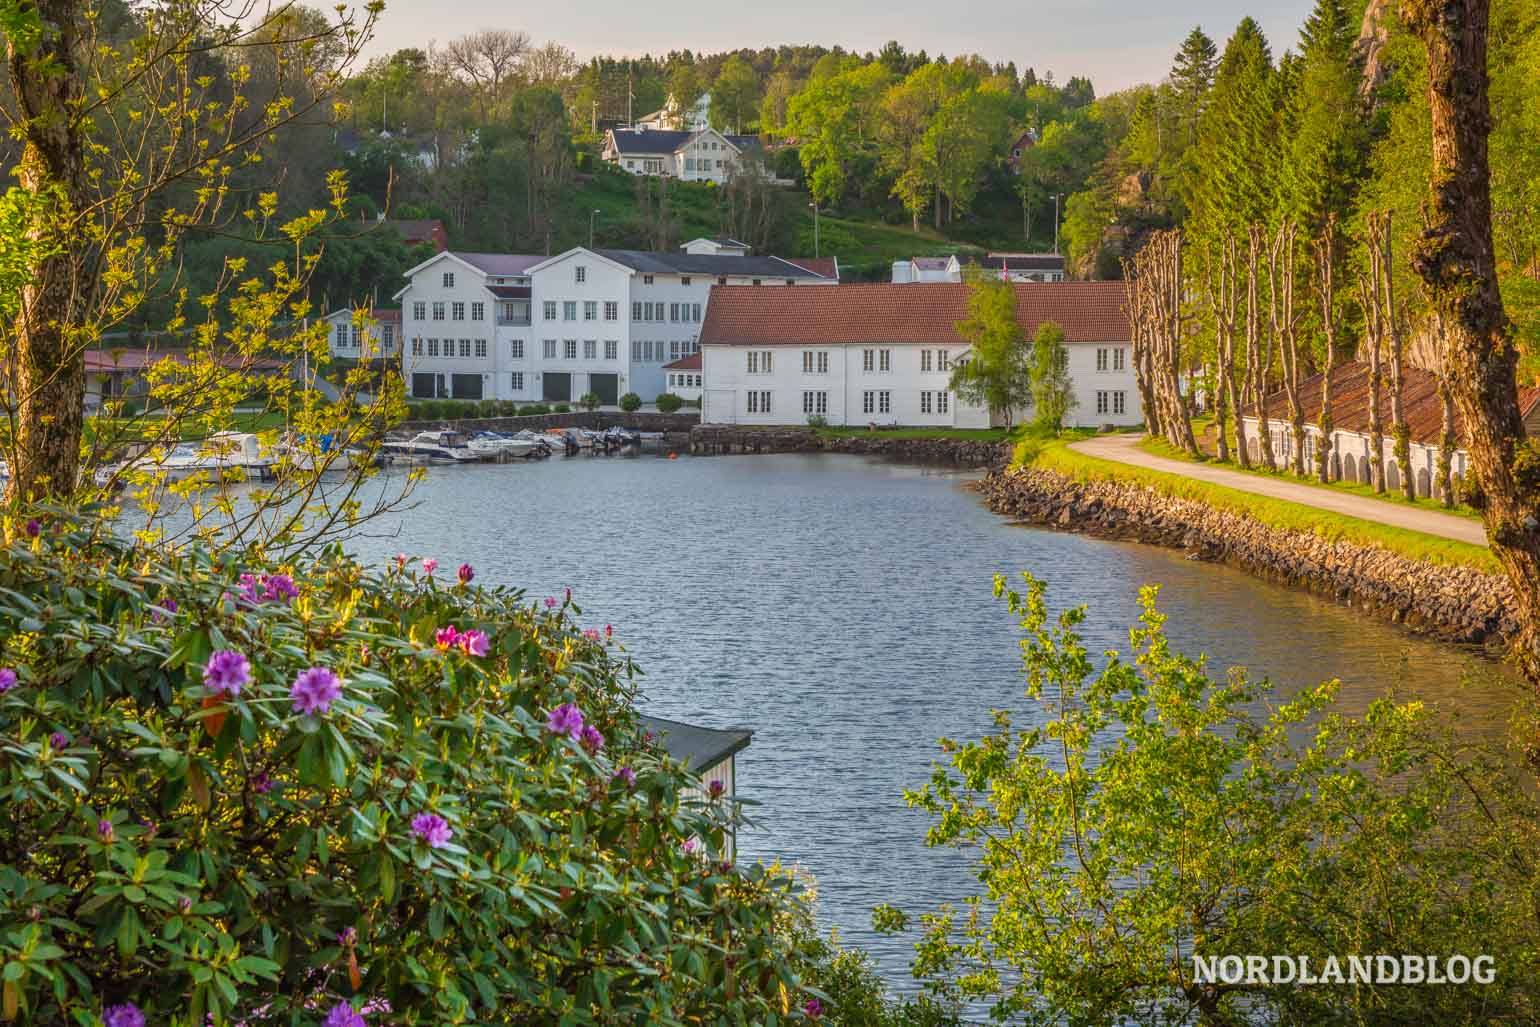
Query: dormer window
(449, 279)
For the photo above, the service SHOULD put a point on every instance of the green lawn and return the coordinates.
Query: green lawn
(1056, 456)
(146, 425)
(1160, 447)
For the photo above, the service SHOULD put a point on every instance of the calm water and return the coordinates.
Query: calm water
(842, 609)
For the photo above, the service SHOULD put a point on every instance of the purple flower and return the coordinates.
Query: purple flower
(314, 690)
(104, 830)
(716, 789)
(184, 904)
(429, 565)
(226, 671)
(261, 783)
(626, 776)
(691, 844)
(59, 740)
(592, 740)
(474, 643)
(566, 719)
(592, 634)
(813, 1008)
(466, 574)
(550, 602)
(125, 1015)
(280, 586)
(33, 528)
(7, 680)
(432, 828)
(347, 937)
(165, 608)
(446, 637)
(344, 1015)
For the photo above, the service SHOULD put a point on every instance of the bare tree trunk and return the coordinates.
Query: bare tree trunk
(1222, 303)
(1281, 282)
(50, 376)
(1402, 432)
(1256, 368)
(1144, 368)
(1158, 279)
(1374, 341)
(1326, 290)
(1455, 259)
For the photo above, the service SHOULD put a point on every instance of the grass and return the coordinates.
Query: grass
(146, 425)
(1055, 455)
(962, 434)
(1160, 447)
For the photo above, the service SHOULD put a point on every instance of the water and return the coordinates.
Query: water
(842, 608)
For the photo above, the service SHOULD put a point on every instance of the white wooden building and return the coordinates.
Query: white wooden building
(710, 753)
(682, 377)
(883, 354)
(692, 155)
(379, 338)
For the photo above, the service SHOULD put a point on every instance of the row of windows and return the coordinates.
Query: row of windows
(569, 310)
(569, 349)
(1110, 358)
(877, 402)
(1111, 402)
(683, 381)
(879, 361)
(656, 352)
(468, 347)
(942, 362)
(455, 310)
(349, 336)
(677, 312)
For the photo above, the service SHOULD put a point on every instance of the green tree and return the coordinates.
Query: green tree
(1053, 392)
(835, 120)
(1238, 146)
(994, 373)
(734, 95)
(1327, 145)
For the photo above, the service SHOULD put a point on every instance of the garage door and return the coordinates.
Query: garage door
(556, 386)
(606, 387)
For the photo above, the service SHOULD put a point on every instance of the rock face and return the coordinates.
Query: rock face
(720, 439)
(1452, 603)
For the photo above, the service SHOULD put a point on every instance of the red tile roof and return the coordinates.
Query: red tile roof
(828, 267)
(913, 313)
(1420, 403)
(689, 363)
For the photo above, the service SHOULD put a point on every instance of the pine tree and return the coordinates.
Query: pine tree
(1192, 76)
(1237, 148)
(1327, 142)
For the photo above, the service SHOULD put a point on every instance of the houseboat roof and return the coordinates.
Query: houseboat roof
(923, 313)
(1421, 406)
(699, 748)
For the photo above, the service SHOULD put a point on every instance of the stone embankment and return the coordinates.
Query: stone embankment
(596, 420)
(712, 440)
(1453, 603)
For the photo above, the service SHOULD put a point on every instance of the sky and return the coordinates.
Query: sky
(1117, 43)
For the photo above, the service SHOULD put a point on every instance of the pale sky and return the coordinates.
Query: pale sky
(1118, 43)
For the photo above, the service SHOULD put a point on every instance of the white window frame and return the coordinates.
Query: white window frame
(580, 274)
(550, 310)
(516, 349)
(569, 349)
(449, 279)
(419, 310)
(516, 381)
(478, 311)
(611, 310)
(611, 349)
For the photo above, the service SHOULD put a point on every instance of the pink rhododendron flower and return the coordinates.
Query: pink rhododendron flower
(466, 574)
(432, 828)
(429, 565)
(226, 671)
(566, 719)
(315, 690)
(446, 637)
(473, 643)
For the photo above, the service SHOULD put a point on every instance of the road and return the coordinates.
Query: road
(1124, 449)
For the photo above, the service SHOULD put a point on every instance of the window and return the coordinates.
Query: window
(432, 347)
(550, 310)
(611, 310)
(611, 349)
(868, 357)
(1118, 400)
(478, 311)
(673, 312)
(417, 347)
(722, 280)
(924, 360)
(673, 350)
(569, 310)
(569, 349)
(1103, 402)
(590, 310)
(684, 279)
(924, 402)
(516, 349)
(449, 279)
(807, 362)
(457, 311)
(389, 332)
(1117, 358)
(548, 349)
(465, 348)
(646, 311)
(759, 361)
(636, 310)
(884, 360)
(884, 402)
(695, 312)
(758, 282)
(759, 402)
(419, 310)
(815, 402)
(580, 274)
(943, 402)
(438, 311)
(647, 279)
(943, 360)
(590, 349)
(481, 348)
(636, 350)
(517, 381)
(342, 336)
(868, 402)
(689, 163)
(1101, 359)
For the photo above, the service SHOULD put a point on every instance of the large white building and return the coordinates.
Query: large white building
(552, 329)
(883, 354)
(698, 155)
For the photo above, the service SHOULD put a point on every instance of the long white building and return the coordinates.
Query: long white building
(883, 354)
(552, 329)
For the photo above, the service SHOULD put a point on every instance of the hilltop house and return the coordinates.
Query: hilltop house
(670, 118)
(1019, 148)
(696, 155)
(1352, 449)
(927, 269)
(883, 354)
(1024, 267)
(380, 341)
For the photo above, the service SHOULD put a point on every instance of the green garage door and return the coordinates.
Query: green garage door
(606, 387)
(556, 386)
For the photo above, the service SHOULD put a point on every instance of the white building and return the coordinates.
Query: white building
(683, 377)
(1015, 267)
(380, 339)
(670, 118)
(700, 155)
(926, 269)
(552, 329)
(883, 354)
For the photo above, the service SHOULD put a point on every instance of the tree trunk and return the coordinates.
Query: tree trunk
(50, 367)
(1281, 280)
(1455, 260)
(1326, 290)
(1256, 369)
(1447, 444)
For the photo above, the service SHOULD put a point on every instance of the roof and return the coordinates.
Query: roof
(1024, 261)
(701, 748)
(657, 140)
(669, 262)
(827, 267)
(689, 363)
(925, 313)
(381, 314)
(509, 292)
(415, 230)
(932, 263)
(1421, 406)
(139, 359)
(500, 265)
(719, 240)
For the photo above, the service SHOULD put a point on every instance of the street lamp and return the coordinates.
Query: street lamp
(591, 215)
(1056, 221)
(814, 205)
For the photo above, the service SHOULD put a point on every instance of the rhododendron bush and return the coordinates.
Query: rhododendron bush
(316, 793)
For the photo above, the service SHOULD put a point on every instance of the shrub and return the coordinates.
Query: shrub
(817, 421)
(669, 403)
(561, 408)
(533, 409)
(238, 790)
(487, 408)
(589, 401)
(630, 402)
(506, 407)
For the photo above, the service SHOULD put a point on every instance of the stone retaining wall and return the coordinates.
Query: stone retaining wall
(1453, 603)
(710, 440)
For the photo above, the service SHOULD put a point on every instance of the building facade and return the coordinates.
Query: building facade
(703, 155)
(379, 339)
(683, 377)
(883, 355)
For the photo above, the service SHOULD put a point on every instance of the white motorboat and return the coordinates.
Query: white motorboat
(220, 455)
(488, 443)
(446, 447)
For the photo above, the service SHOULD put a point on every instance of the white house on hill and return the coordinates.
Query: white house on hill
(703, 155)
(883, 354)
